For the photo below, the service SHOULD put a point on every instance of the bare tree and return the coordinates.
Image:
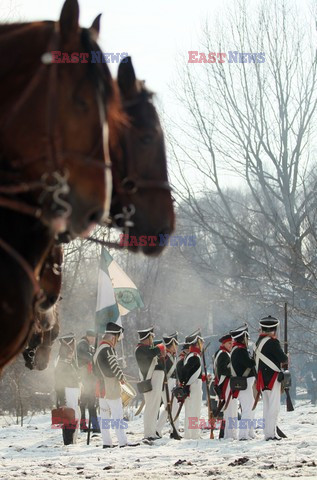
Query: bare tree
(256, 123)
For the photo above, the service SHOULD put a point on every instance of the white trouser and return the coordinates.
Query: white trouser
(246, 400)
(72, 401)
(152, 404)
(192, 410)
(271, 408)
(171, 383)
(111, 416)
(230, 416)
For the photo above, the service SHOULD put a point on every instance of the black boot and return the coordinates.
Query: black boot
(68, 434)
(94, 421)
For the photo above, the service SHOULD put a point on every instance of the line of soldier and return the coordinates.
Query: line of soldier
(238, 377)
(155, 361)
(261, 372)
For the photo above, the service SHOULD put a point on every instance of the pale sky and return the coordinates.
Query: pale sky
(153, 33)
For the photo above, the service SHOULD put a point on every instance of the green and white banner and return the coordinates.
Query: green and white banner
(117, 295)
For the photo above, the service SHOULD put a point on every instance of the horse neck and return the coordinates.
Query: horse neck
(27, 235)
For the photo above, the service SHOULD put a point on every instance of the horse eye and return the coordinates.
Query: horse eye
(146, 139)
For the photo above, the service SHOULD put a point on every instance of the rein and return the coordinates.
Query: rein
(116, 246)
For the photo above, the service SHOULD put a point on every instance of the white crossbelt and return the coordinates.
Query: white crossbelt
(259, 356)
(150, 370)
(196, 374)
(172, 369)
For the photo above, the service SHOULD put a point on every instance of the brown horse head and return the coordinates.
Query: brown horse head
(140, 182)
(53, 135)
(37, 353)
(51, 277)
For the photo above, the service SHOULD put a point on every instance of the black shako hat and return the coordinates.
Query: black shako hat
(225, 338)
(193, 337)
(240, 331)
(168, 339)
(143, 334)
(113, 328)
(269, 323)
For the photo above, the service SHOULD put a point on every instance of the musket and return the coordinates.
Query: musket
(210, 414)
(178, 411)
(175, 433)
(222, 429)
(289, 404)
(89, 410)
(180, 403)
(220, 406)
(140, 408)
(256, 400)
(280, 433)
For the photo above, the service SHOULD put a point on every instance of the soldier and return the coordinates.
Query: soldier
(242, 365)
(110, 377)
(152, 376)
(222, 386)
(191, 376)
(180, 362)
(269, 357)
(85, 353)
(171, 343)
(67, 385)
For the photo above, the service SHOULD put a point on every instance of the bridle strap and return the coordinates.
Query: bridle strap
(20, 207)
(21, 188)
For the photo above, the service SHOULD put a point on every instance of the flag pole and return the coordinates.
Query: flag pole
(96, 346)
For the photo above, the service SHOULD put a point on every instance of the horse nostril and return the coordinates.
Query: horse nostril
(95, 216)
(52, 299)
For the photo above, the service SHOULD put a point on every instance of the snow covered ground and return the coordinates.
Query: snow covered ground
(36, 451)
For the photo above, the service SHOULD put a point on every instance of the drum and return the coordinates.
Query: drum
(127, 394)
(63, 416)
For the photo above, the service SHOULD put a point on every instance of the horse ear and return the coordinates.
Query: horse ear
(69, 19)
(95, 28)
(127, 78)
